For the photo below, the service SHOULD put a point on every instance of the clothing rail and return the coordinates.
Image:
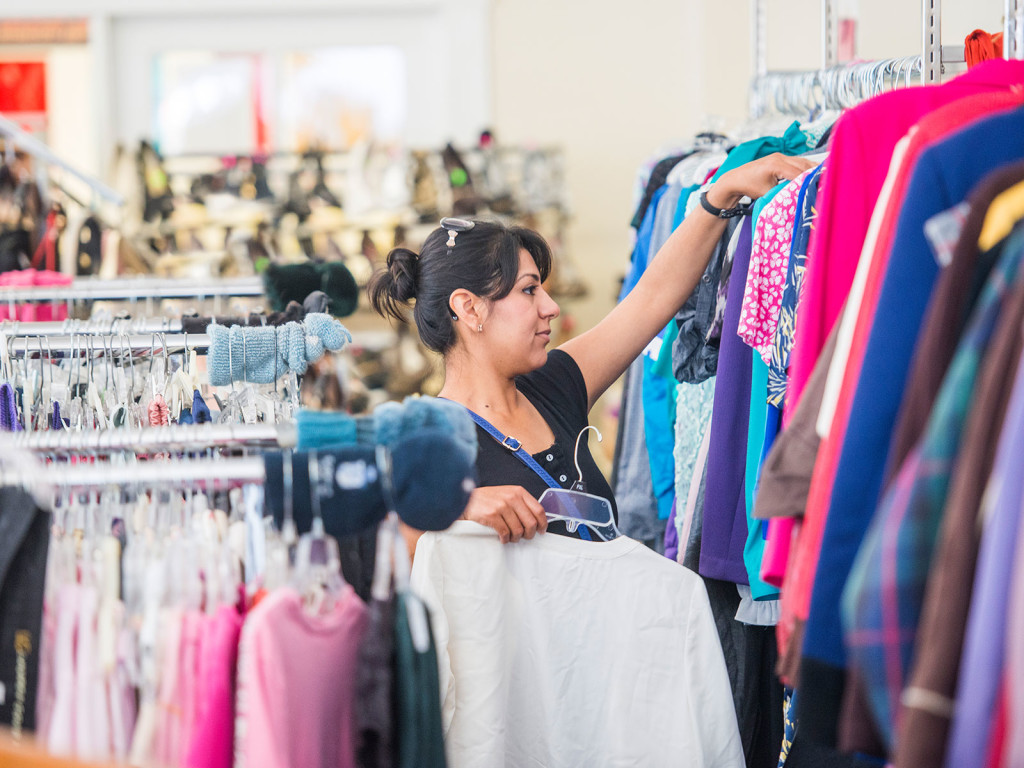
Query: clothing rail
(94, 289)
(929, 66)
(213, 474)
(176, 437)
(73, 327)
(20, 346)
(115, 332)
(835, 88)
(36, 148)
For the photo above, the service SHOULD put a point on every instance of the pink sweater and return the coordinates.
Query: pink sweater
(296, 683)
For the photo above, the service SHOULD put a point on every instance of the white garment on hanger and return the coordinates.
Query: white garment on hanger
(561, 652)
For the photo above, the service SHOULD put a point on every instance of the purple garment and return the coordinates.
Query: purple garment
(981, 666)
(671, 534)
(8, 409)
(725, 508)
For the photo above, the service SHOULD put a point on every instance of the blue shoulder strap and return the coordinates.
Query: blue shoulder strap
(520, 453)
(516, 447)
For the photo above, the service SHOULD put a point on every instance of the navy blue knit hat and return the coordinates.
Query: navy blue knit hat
(432, 477)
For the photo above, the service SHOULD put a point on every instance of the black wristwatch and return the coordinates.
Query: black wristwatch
(725, 213)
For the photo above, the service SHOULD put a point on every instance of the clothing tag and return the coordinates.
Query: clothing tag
(351, 475)
(943, 232)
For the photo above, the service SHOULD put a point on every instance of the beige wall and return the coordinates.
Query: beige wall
(613, 82)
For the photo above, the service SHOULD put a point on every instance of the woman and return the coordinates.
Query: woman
(479, 301)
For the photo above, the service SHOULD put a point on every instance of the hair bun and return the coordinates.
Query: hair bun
(394, 287)
(403, 265)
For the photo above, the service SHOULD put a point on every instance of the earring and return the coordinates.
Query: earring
(480, 328)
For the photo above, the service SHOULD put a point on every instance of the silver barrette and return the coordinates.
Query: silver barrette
(454, 227)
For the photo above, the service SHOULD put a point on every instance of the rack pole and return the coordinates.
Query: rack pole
(191, 437)
(20, 346)
(1013, 29)
(931, 42)
(36, 148)
(829, 54)
(149, 288)
(206, 473)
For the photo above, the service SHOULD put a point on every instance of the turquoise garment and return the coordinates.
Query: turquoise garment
(792, 142)
(754, 549)
(681, 206)
(659, 436)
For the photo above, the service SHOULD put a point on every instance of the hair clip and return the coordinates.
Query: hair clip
(454, 227)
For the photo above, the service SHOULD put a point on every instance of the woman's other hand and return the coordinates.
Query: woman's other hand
(508, 509)
(755, 178)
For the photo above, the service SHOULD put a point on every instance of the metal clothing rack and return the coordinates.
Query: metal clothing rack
(36, 148)
(211, 474)
(840, 86)
(118, 334)
(1013, 29)
(151, 439)
(95, 289)
(172, 343)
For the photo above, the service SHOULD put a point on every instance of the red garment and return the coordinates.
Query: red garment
(997, 738)
(941, 122)
(858, 161)
(980, 46)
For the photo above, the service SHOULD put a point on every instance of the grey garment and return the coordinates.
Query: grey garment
(715, 331)
(691, 552)
(663, 218)
(634, 493)
(750, 655)
(694, 357)
(375, 688)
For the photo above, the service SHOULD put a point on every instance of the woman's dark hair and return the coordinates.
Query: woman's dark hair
(484, 261)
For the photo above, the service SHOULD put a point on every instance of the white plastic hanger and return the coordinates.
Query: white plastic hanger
(576, 507)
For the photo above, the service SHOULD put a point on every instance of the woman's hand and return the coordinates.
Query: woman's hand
(508, 509)
(755, 178)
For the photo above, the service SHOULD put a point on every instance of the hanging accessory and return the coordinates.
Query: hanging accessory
(480, 328)
(575, 507)
(454, 227)
(568, 511)
(725, 213)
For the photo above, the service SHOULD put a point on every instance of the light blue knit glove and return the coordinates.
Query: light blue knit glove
(261, 354)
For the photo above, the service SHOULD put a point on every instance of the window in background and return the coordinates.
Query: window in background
(333, 98)
(339, 97)
(206, 103)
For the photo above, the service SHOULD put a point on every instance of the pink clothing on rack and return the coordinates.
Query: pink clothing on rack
(296, 683)
(193, 626)
(47, 659)
(766, 277)
(858, 160)
(776, 550)
(29, 312)
(167, 740)
(60, 735)
(212, 744)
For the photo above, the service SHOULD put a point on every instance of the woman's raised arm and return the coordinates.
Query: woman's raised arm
(605, 351)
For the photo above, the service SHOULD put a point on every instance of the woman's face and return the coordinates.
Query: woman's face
(518, 326)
